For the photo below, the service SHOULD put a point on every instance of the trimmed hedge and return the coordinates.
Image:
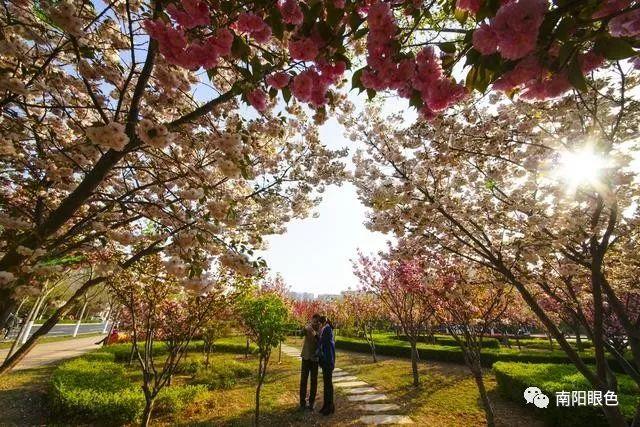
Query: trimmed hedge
(514, 378)
(453, 354)
(96, 389)
(449, 341)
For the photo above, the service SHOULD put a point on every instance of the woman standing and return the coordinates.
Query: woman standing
(327, 359)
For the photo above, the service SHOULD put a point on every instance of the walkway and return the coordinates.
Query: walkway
(45, 353)
(374, 405)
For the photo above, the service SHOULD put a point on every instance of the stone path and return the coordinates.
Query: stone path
(375, 405)
(45, 353)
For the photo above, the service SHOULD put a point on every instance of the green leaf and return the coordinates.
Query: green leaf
(371, 94)
(360, 33)
(613, 48)
(461, 15)
(448, 47)
(356, 81)
(575, 75)
(256, 66)
(286, 94)
(564, 28)
(240, 48)
(416, 100)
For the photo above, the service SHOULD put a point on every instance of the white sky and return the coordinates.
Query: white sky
(314, 254)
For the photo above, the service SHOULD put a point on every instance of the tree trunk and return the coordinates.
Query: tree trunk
(148, 409)
(46, 327)
(414, 363)
(486, 402)
(246, 350)
(372, 345)
(550, 341)
(579, 346)
(77, 328)
(207, 354)
(32, 318)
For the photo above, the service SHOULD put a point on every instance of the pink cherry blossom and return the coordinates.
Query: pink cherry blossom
(590, 61)
(278, 80)
(291, 12)
(625, 25)
(339, 4)
(516, 27)
(194, 13)
(485, 40)
(303, 85)
(610, 7)
(258, 99)
(471, 5)
(304, 49)
(442, 94)
(252, 24)
(526, 70)
(223, 41)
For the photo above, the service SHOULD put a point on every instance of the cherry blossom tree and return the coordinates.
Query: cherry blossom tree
(364, 311)
(468, 303)
(507, 189)
(107, 147)
(157, 308)
(399, 284)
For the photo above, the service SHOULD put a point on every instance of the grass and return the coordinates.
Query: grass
(23, 397)
(8, 344)
(447, 395)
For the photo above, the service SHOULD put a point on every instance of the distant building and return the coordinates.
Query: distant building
(329, 297)
(301, 296)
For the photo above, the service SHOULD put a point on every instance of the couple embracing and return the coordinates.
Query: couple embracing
(318, 349)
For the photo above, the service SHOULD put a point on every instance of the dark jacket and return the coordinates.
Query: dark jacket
(327, 348)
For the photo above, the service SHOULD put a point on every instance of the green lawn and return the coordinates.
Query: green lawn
(447, 395)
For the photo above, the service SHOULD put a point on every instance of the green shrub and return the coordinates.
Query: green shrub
(222, 375)
(514, 378)
(175, 398)
(90, 390)
(94, 389)
(449, 341)
(453, 354)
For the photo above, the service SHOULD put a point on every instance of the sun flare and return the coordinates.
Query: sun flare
(581, 167)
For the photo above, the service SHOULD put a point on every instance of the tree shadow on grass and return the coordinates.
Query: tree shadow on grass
(23, 396)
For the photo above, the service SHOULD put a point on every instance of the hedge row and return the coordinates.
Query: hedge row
(454, 354)
(96, 389)
(514, 378)
(449, 341)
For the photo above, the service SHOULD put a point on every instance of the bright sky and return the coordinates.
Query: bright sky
(314, 254)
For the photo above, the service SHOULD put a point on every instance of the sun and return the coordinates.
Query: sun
(581, 167)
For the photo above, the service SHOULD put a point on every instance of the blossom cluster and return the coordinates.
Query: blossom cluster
(423, 74)
(155, 135)
(178, 50)
(112, 136)
(513, 31)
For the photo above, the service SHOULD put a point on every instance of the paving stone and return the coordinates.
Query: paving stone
(361, 390)
(345, 378)
(337, 370)
(367, 397)
(340, 374)
(379, 407)
(348, 384)
(385, 419)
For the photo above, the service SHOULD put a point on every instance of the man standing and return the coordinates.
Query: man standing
(327, 360)
(309, 363)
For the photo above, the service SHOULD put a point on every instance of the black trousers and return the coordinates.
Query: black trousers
(327, 381)
(309, 369)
